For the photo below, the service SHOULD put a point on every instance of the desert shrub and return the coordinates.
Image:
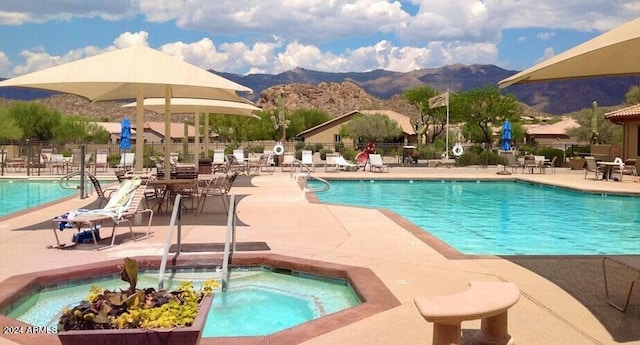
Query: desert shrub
(550, 152)
(323, 153)
(338, 146)
(349, 153)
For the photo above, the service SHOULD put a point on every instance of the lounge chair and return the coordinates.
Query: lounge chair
(58, 162)
(307, 159)
(101, 160)
(331, 162)
(122, 206)
(126, 160)
(375, 162)
(219, 163)
(287, 161)
(103, 194)
(342, 164)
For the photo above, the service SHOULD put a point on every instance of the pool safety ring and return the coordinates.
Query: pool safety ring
(457, 150)
(278, 149)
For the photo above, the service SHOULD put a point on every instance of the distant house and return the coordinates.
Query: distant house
(329, 132)
(114, 131)
(629, 118)
(553, 135)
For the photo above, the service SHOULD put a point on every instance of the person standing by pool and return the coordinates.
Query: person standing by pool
(363, 157)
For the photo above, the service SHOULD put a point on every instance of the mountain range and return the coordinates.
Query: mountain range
(554, 98)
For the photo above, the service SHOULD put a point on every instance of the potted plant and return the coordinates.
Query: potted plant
(577, 163)
(137, 316)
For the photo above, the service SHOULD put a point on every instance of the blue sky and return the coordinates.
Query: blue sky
(273, 36)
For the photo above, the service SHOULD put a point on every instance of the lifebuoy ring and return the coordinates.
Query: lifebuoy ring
(457, 150)
(278, 149)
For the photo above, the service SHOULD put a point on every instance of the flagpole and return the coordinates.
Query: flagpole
(447, 128)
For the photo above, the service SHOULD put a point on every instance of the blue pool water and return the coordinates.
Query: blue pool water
(504, 218)
(17, 195)
(247, 308)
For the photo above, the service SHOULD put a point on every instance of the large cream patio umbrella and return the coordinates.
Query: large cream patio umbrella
(197, 106)
(134, 72)
(614, 53)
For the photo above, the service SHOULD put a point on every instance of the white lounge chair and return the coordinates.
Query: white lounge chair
(218, 163)
(331, 162)
(126, 160)
(101, 160)
(307, 159)
(122, 206)
(342, 164)
(287, 161)
(375, 162)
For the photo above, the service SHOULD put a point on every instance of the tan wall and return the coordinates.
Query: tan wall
(630, 144)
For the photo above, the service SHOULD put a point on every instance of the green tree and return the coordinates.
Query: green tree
(429, 122)
(378, 127)
(303, 119)
(80, 130)
(483, 108)
(9, 130)
(36, 120)
(608, 132)
(632, 97)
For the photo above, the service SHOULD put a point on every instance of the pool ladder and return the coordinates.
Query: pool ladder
(306, 175)
(229, 245)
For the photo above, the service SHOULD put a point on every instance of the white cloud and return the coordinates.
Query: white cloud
(546, 35)
(548, 53)
(272, 36)
(5, 64)
(34, 11)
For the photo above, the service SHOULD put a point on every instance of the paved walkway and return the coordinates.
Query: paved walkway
(274, 210)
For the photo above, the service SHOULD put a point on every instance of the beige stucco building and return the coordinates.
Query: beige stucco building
(329, 132)
(629, 118)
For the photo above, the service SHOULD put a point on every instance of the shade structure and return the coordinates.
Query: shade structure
(506, 136)
(614, 53)
(125, 134)
(134, 72)
(197, 105)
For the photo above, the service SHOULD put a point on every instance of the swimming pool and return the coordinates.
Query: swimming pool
(503, 217)
(247, 308)
(19, 195)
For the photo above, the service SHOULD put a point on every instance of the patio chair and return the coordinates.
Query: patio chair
(307, 159)
(218, 186)
(592, 166)
(122, 206)
(45, 158)
(58, 162)
(552, 164)
(627, 168)
(529, 163)
(375, 162)
(265, 163)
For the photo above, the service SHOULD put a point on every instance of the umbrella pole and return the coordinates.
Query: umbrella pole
(139, 157)
(167, 132)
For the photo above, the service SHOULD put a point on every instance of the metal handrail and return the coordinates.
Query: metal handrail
(230, 241)
(306, 175)
(176, 216)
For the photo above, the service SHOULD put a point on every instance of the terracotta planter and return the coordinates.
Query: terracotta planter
(161, 336)
(576, 164)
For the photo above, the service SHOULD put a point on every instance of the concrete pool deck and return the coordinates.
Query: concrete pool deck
(273, 209)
